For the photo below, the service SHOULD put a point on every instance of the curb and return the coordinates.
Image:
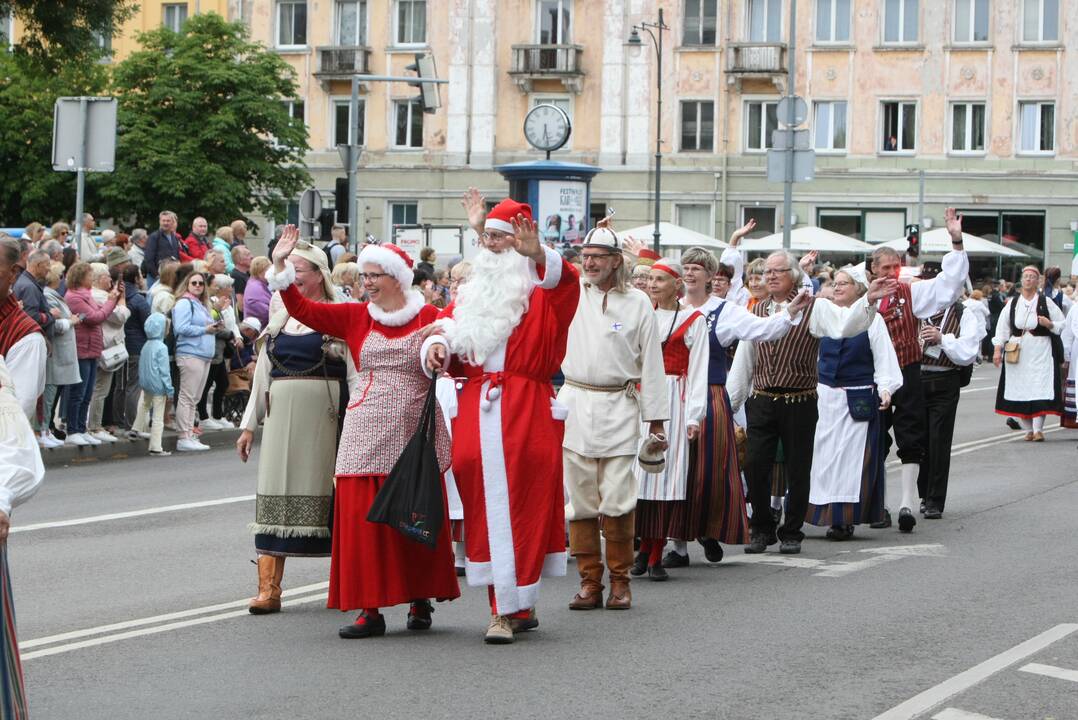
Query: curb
(124, 449)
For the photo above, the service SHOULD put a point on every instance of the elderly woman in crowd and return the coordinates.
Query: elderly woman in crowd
(346, 280)
(299, 390)
(256, 296)
(90, 342)
(112, 332)
(373, 565)
(194, 328)
(62, 365)
(222, 243)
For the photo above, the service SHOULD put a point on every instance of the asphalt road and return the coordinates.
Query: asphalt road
(143, 616)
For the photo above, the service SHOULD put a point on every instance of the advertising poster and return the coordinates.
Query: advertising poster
(563, 211)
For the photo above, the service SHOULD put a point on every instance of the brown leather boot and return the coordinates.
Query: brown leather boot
(585, 545)
(278, 575)
(267, 601)
(619, 559)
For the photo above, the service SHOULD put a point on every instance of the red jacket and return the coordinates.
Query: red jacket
(89, 340)
(191, 248)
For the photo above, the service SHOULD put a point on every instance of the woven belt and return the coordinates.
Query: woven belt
(629, 388)
(788, 397)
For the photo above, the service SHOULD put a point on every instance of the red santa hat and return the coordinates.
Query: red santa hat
(501, 216)
(392, 260)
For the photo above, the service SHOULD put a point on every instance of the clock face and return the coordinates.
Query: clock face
(547, 127)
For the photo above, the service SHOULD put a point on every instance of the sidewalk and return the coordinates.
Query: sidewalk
(123, 448)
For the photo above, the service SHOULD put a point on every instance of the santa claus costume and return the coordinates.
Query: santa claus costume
(372, 564)
(507, 332)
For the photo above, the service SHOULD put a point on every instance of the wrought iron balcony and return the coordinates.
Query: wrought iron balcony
(548, 62)
(343, 61)
(756, 60)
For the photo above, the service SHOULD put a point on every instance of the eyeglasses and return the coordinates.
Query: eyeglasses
(198, 283)
(841, 283)
(494, 236)
(775, 271)
(371, 277)
(596, 256)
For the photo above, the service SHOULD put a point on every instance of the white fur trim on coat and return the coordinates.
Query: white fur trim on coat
(414, 302)
(280, 281)
(551, 270)
(432, 340)
(499, 225)
(389, 261)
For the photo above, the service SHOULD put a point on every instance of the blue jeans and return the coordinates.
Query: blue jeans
(77, 397)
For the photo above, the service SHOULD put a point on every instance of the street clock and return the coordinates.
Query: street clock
(547, 127)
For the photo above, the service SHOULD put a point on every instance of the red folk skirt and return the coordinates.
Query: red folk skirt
(373, 565)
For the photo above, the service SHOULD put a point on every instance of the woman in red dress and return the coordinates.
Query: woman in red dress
(373, 566)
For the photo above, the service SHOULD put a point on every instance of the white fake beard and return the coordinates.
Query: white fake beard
(489, 306)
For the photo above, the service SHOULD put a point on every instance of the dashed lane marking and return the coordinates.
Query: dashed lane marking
(835, 569)
(1051, 671)
(956, 714)
(131, 513)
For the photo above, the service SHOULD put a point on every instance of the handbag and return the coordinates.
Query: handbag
(862, 403)
(112, 358)
(1012, 350)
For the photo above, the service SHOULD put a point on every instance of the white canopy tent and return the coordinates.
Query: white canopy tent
(672, 236)
(938, 242)
(809, 237)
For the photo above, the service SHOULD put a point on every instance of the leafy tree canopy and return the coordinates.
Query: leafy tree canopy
(54, 29)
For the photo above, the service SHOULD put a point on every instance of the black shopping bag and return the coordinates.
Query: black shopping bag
(411, 500)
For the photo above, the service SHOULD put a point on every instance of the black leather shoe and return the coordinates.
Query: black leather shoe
(906, 520)
(640, 565)
(712, 550)
(657, 573)
(933, 512)
(758, 543)
(675, 560)
(419, 615)
(1013, 424)
(881, 524)
(364, 627)
(840, 532)
(790, 547)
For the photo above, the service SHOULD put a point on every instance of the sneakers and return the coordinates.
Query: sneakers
(160, 453)
(365, 626)
(90, 439)
(77, 439)
(499, 632)
(209, 424)
(223, 424)
(136, 434)
(47, 441)
(104, 436)
(190, 445)
(419, 615)
(675, 560)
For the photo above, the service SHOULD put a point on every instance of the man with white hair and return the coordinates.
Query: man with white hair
(507, 331)
(776, 381)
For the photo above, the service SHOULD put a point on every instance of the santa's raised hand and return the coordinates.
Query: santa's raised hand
(526, 239)
(475, 205)
(285, 246)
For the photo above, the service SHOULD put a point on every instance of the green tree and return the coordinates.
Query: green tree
(203, 128)
(57, 30)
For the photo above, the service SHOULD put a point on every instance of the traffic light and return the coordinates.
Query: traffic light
(340, 197)
(913, 238)
(428, 92)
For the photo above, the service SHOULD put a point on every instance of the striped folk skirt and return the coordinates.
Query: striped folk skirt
(13, 695)
(714, 506)
(1070, 407)
(870, 506)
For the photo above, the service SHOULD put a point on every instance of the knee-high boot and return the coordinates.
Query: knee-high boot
(618, 532)
(270, 571)
(585, 546)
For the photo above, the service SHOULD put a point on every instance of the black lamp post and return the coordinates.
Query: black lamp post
(657, 41)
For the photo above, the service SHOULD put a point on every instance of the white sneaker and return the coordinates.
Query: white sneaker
(190, 445)
(76, 439)
(90, 439)
(223, 424)
(209, 424)
(104, 436)
(53, 440)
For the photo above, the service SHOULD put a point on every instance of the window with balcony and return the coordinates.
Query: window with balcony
(765, 21)
(700, 23)
(291, 23)
(697, 125)
(967, 127)
(1040, 20)
(695, 217)
(970, 21)
(899, 127)
(553, 22)
(342, 121)
(408, 124)
(761, 121)
(411, 22)
(173, 16)
(900, 21)
(832, 21)
(829, 124)
(351, 23)
(1037, 131)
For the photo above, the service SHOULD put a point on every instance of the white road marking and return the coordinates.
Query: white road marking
(1051, 671)
(956, 714)
(980, 444)
(775, 559)
(106, 639)
(132, 513)
(963, 391)
(833, 568)
(936, 696)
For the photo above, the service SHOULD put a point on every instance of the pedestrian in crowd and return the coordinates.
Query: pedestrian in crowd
(62, 365)
(21, 473)
(977, 304)
(441, 285)
(720, 281)
(346, 280)
(226, 341)
(194, 328)
(338, 244)
(22, 342)
(256, 298)
(35, 233)
(1028, 334)
(641, 275)
(162, 244)
(754, 283)
(222, 243)
(238, 233)
(1053, 291)
(54, 249)
(88, 242)
(857, 377)
(507, 336)
(373, 566)
(134, 339)
(685, 349)
(122, 241)
(217, 262)
(776, 381)
(162, 294)
(61, 232)
(240, 273)
(112, 335)
(195, 245)
(89, 340)
(427, 258)
(299, 390)
(1069, 338)
(155, 383)
(137, 248)
(603, 411)
(28, 289)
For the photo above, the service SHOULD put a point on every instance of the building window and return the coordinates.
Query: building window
(874, 226)
(7, 28)
(291, 23)
(765, 21)
(1038, 127)
(1040, 20)
(103, 41)
(694, 217)
(970, 21)
(765, 217)
(967, 127)
(830, 125)
(900, 21)
(173, 16)
(402, 213)
(697, 125)
(899, 127)
(411, 19)
(351, 22)
(701, 22)
(341, 117)
(832, 21)
(761, 121)
(553, 23)
(295, 109)
(408, 121)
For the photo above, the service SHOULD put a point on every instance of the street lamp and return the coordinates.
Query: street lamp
(657, 41)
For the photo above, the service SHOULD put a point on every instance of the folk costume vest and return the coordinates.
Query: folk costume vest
(790, 362)
(14, 324)
(675, 351)
(846, 362)
(949, 322)
(717, 354)
(902, 325)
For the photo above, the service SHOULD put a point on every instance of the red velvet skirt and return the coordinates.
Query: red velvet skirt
(373, 565)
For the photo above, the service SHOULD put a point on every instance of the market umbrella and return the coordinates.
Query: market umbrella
(938, 242)
(673, 236)
(809, 237)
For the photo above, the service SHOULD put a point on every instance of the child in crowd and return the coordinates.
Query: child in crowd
(155, 379)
